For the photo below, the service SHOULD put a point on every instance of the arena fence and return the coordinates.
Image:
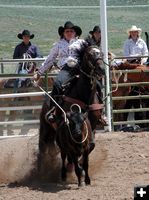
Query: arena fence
(14, 111)
(20, 107)
(139, 97)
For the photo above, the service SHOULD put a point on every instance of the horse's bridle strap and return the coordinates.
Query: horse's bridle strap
(91, 107)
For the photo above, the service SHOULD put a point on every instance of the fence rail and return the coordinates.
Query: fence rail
(19, 122)
(21, 60)
(20, 108)
(6, 99)
(25, 94)
(131, 97)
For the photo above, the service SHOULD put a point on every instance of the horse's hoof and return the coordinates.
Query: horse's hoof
(82, 184)
(87, 182)
(70, 167)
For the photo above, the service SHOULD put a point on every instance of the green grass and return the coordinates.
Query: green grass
(71, 2)
(44, 22)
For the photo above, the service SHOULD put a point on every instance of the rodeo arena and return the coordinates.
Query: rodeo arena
(87, 146)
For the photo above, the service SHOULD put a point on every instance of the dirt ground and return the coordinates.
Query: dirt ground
(119, 162)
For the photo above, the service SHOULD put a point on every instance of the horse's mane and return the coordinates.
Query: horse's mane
(84, 49)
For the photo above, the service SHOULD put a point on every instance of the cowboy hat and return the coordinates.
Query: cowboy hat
(69, 25)
(134, 28)
(25, 32)
(95, 29)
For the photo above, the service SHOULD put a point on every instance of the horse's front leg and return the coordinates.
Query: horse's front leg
(63, 169)
(78, 171)
(85, 166)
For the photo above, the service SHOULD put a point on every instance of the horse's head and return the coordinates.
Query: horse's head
(92, 62)
(76, 121)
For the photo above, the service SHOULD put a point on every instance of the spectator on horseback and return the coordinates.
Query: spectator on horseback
(135, 46)
(67, 51)
(25, 47)
(94, 37)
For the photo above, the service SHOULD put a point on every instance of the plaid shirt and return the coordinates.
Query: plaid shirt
(66, 52)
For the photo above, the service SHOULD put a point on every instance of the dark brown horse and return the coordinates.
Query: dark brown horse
(82, 92)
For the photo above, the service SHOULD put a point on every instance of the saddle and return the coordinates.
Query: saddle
(68, 84)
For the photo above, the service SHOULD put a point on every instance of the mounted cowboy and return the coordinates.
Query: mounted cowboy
(25, 49)
(66, 50)
(135, 46)
(95, 36)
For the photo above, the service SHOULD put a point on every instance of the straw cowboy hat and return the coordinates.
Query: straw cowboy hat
(134, 28)
(25, 32)
(95, 29)
(69, 25)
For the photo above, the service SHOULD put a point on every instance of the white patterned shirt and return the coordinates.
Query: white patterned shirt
(66, 53)
(135, 48)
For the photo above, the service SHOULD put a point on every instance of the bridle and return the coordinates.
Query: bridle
(92, 65)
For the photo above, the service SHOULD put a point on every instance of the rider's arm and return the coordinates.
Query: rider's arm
(16, 53)
(48, 63)
(144, 52)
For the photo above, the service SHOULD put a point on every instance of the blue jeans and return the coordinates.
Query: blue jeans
(64, 75)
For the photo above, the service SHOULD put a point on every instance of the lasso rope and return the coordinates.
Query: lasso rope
(74, 140)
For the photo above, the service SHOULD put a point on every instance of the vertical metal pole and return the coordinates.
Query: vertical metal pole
(2, 67)
(104, 46)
